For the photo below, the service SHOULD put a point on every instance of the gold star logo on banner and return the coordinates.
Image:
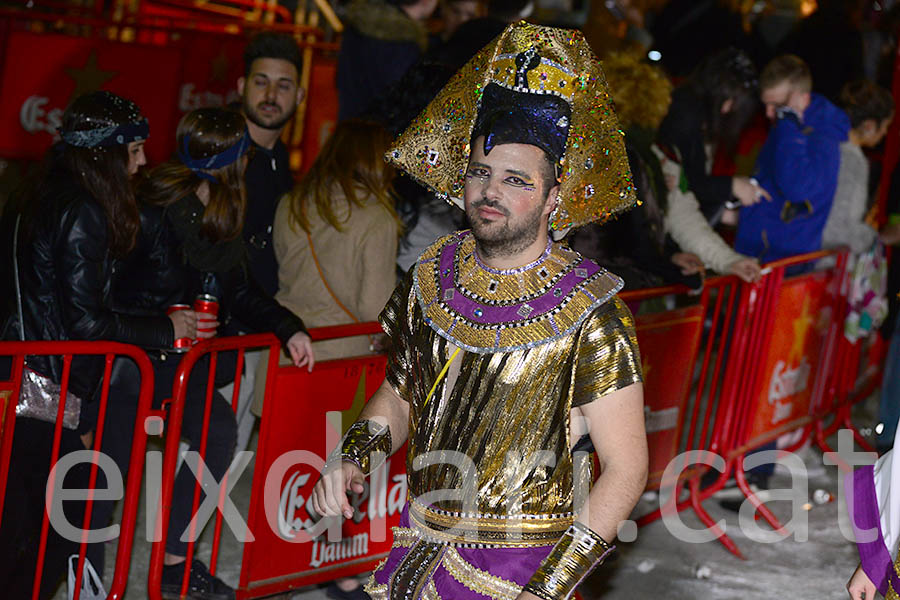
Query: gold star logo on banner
(219, 68)
(341, 421)
(90, 77)
(801, 328)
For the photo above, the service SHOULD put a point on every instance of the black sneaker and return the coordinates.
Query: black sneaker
(201, 585)
(333, 591)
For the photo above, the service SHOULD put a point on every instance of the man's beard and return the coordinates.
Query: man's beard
(508, 239)
(253, 115)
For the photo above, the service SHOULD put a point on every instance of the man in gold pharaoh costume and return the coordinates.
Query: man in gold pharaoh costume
(509, 351)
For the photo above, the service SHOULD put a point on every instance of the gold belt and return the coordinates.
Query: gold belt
(481, 530)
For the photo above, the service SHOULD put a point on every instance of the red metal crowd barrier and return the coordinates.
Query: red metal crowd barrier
(794, 327)
(110, 351)
(703, 391)
(297, 432)
(709, 398)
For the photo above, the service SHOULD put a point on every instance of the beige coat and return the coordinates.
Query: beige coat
(359, 264)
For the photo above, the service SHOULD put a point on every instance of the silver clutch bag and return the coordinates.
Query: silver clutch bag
(39, 399)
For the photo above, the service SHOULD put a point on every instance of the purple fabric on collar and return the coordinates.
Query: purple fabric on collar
(863, 508)
(510, 313)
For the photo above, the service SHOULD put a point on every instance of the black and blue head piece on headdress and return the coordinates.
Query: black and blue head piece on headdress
(224, 158)
(522, 115)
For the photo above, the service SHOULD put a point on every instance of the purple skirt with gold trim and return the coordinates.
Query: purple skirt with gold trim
(420, 569)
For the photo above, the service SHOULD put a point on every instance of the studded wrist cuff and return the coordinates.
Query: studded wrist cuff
(574, 556)
(361, 440)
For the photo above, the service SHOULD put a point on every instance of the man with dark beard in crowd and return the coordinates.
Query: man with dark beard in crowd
(270, 93)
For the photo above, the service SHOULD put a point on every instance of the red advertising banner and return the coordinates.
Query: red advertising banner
(44, 72)
(321, 109)
(212, 66)
(669, 342)
(307, 415)
(802, 315)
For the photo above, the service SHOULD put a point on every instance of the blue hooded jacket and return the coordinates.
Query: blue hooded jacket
(798, 164)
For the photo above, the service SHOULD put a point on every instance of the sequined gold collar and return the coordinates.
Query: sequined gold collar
(484, 310)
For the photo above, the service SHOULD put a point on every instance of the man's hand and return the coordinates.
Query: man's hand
(747, 269)
(329, 496)
(300, 348)
(860, 586)
(688, 263)
(748, 191)
(527, 596)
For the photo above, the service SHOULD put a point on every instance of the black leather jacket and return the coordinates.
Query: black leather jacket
(65, 275)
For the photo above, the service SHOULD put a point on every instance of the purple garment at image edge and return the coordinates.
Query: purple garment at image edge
(864, 517)
(799, 163)
(512, 564)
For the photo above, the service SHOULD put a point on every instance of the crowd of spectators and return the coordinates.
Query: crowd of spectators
(96, 257)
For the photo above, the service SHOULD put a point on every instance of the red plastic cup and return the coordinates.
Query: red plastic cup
(205, 303)
(181, 344)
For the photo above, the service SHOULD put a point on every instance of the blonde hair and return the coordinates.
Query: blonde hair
(642, 93)
(353, 160)
(786, 67)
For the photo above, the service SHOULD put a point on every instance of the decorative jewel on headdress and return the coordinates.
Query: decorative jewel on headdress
(224, 158)
(537, 85)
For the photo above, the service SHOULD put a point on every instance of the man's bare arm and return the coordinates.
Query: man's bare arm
(386, 407)
(616, 425)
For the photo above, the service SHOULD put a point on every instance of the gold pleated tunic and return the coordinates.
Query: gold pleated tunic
(491, 458)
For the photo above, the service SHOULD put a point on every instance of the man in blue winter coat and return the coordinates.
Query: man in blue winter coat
(798, 165)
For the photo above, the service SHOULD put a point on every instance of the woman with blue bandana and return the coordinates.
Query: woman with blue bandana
(192, 212)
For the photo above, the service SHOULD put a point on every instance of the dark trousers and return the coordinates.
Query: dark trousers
(220, 443)
(23, 510)
(24, 503)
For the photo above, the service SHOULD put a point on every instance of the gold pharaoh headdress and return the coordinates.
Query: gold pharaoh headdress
(595, 178)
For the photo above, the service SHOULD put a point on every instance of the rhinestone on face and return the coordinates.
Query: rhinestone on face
(588, 191)
(589, 163)
(557, 292)
(581, 272)
(478, 313)
(448, 294)
(446, 273)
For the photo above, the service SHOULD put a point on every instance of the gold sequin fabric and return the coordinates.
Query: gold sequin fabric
(500, 437)
(595, 181)
(481, 309)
